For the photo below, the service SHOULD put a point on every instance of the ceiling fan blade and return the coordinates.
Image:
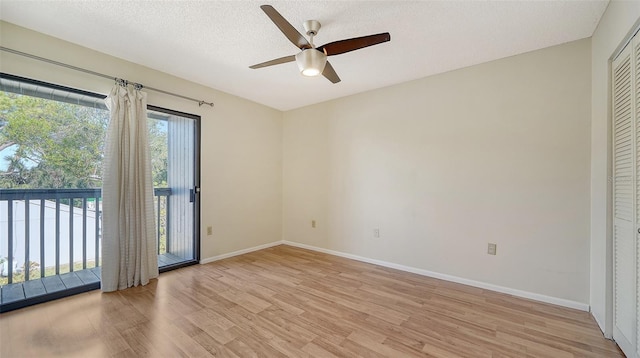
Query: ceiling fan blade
(277, 61)
(287, 29)
(330, 73)
(342, 46)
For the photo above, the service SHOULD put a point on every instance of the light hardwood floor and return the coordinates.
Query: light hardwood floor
(286, 301)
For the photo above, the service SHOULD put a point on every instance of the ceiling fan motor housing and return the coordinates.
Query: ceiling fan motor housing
(311, 62)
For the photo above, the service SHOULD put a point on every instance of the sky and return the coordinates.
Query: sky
(8, 152)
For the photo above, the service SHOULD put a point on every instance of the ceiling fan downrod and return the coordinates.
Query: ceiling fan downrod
(313, 63)
(311, 27)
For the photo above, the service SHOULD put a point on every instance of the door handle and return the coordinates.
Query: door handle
(192, 193)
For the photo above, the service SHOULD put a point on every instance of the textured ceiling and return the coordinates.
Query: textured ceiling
(214, 42)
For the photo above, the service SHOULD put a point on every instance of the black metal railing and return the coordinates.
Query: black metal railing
(55, 227)
(161, 198)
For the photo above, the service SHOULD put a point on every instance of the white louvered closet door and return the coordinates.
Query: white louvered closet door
(626, 199)
(635, 89)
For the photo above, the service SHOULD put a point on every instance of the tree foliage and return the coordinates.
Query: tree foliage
(60, 145)
(158, 152)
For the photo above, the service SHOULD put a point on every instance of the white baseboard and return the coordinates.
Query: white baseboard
(602, 327)
(488, 286)
(240, 252)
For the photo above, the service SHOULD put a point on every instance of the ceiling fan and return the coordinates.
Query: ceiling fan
(312, 60)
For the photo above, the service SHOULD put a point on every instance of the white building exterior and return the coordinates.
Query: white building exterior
(34, 221)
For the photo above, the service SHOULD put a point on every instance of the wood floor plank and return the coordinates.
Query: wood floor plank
(213, 347)
(213, 324)
(289, 302)
(316, 351)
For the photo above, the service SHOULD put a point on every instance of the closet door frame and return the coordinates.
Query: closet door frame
(625, 201)
(630, 46)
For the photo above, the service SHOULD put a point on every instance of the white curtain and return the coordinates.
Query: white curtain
(129, 248)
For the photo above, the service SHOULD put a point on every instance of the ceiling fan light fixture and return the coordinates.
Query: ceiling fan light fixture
(311, 62)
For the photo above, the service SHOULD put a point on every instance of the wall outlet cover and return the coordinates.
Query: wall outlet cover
(492, 249)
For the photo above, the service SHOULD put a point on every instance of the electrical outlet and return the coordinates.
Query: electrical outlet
(376, 232)
(209, 230)
(313, 224)
(491, 249)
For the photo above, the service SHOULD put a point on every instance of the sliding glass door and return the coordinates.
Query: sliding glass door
(176, 178)
(51, 142)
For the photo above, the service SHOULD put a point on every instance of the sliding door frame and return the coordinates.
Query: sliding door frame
(196, 175)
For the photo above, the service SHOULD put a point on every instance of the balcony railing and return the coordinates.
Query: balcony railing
(45, 232)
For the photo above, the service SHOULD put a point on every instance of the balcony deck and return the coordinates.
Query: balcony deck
(22, 294)
(64, 226)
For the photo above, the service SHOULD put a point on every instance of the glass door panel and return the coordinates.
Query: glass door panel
(174, 148)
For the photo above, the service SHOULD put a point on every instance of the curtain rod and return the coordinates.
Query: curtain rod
(80, 69)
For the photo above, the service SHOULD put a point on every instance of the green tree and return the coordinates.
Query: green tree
(60, 145)
(57, 145)
(158, 151)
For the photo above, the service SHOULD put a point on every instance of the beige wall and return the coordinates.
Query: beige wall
(497, 152)
(241, 175)
(613, 28)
